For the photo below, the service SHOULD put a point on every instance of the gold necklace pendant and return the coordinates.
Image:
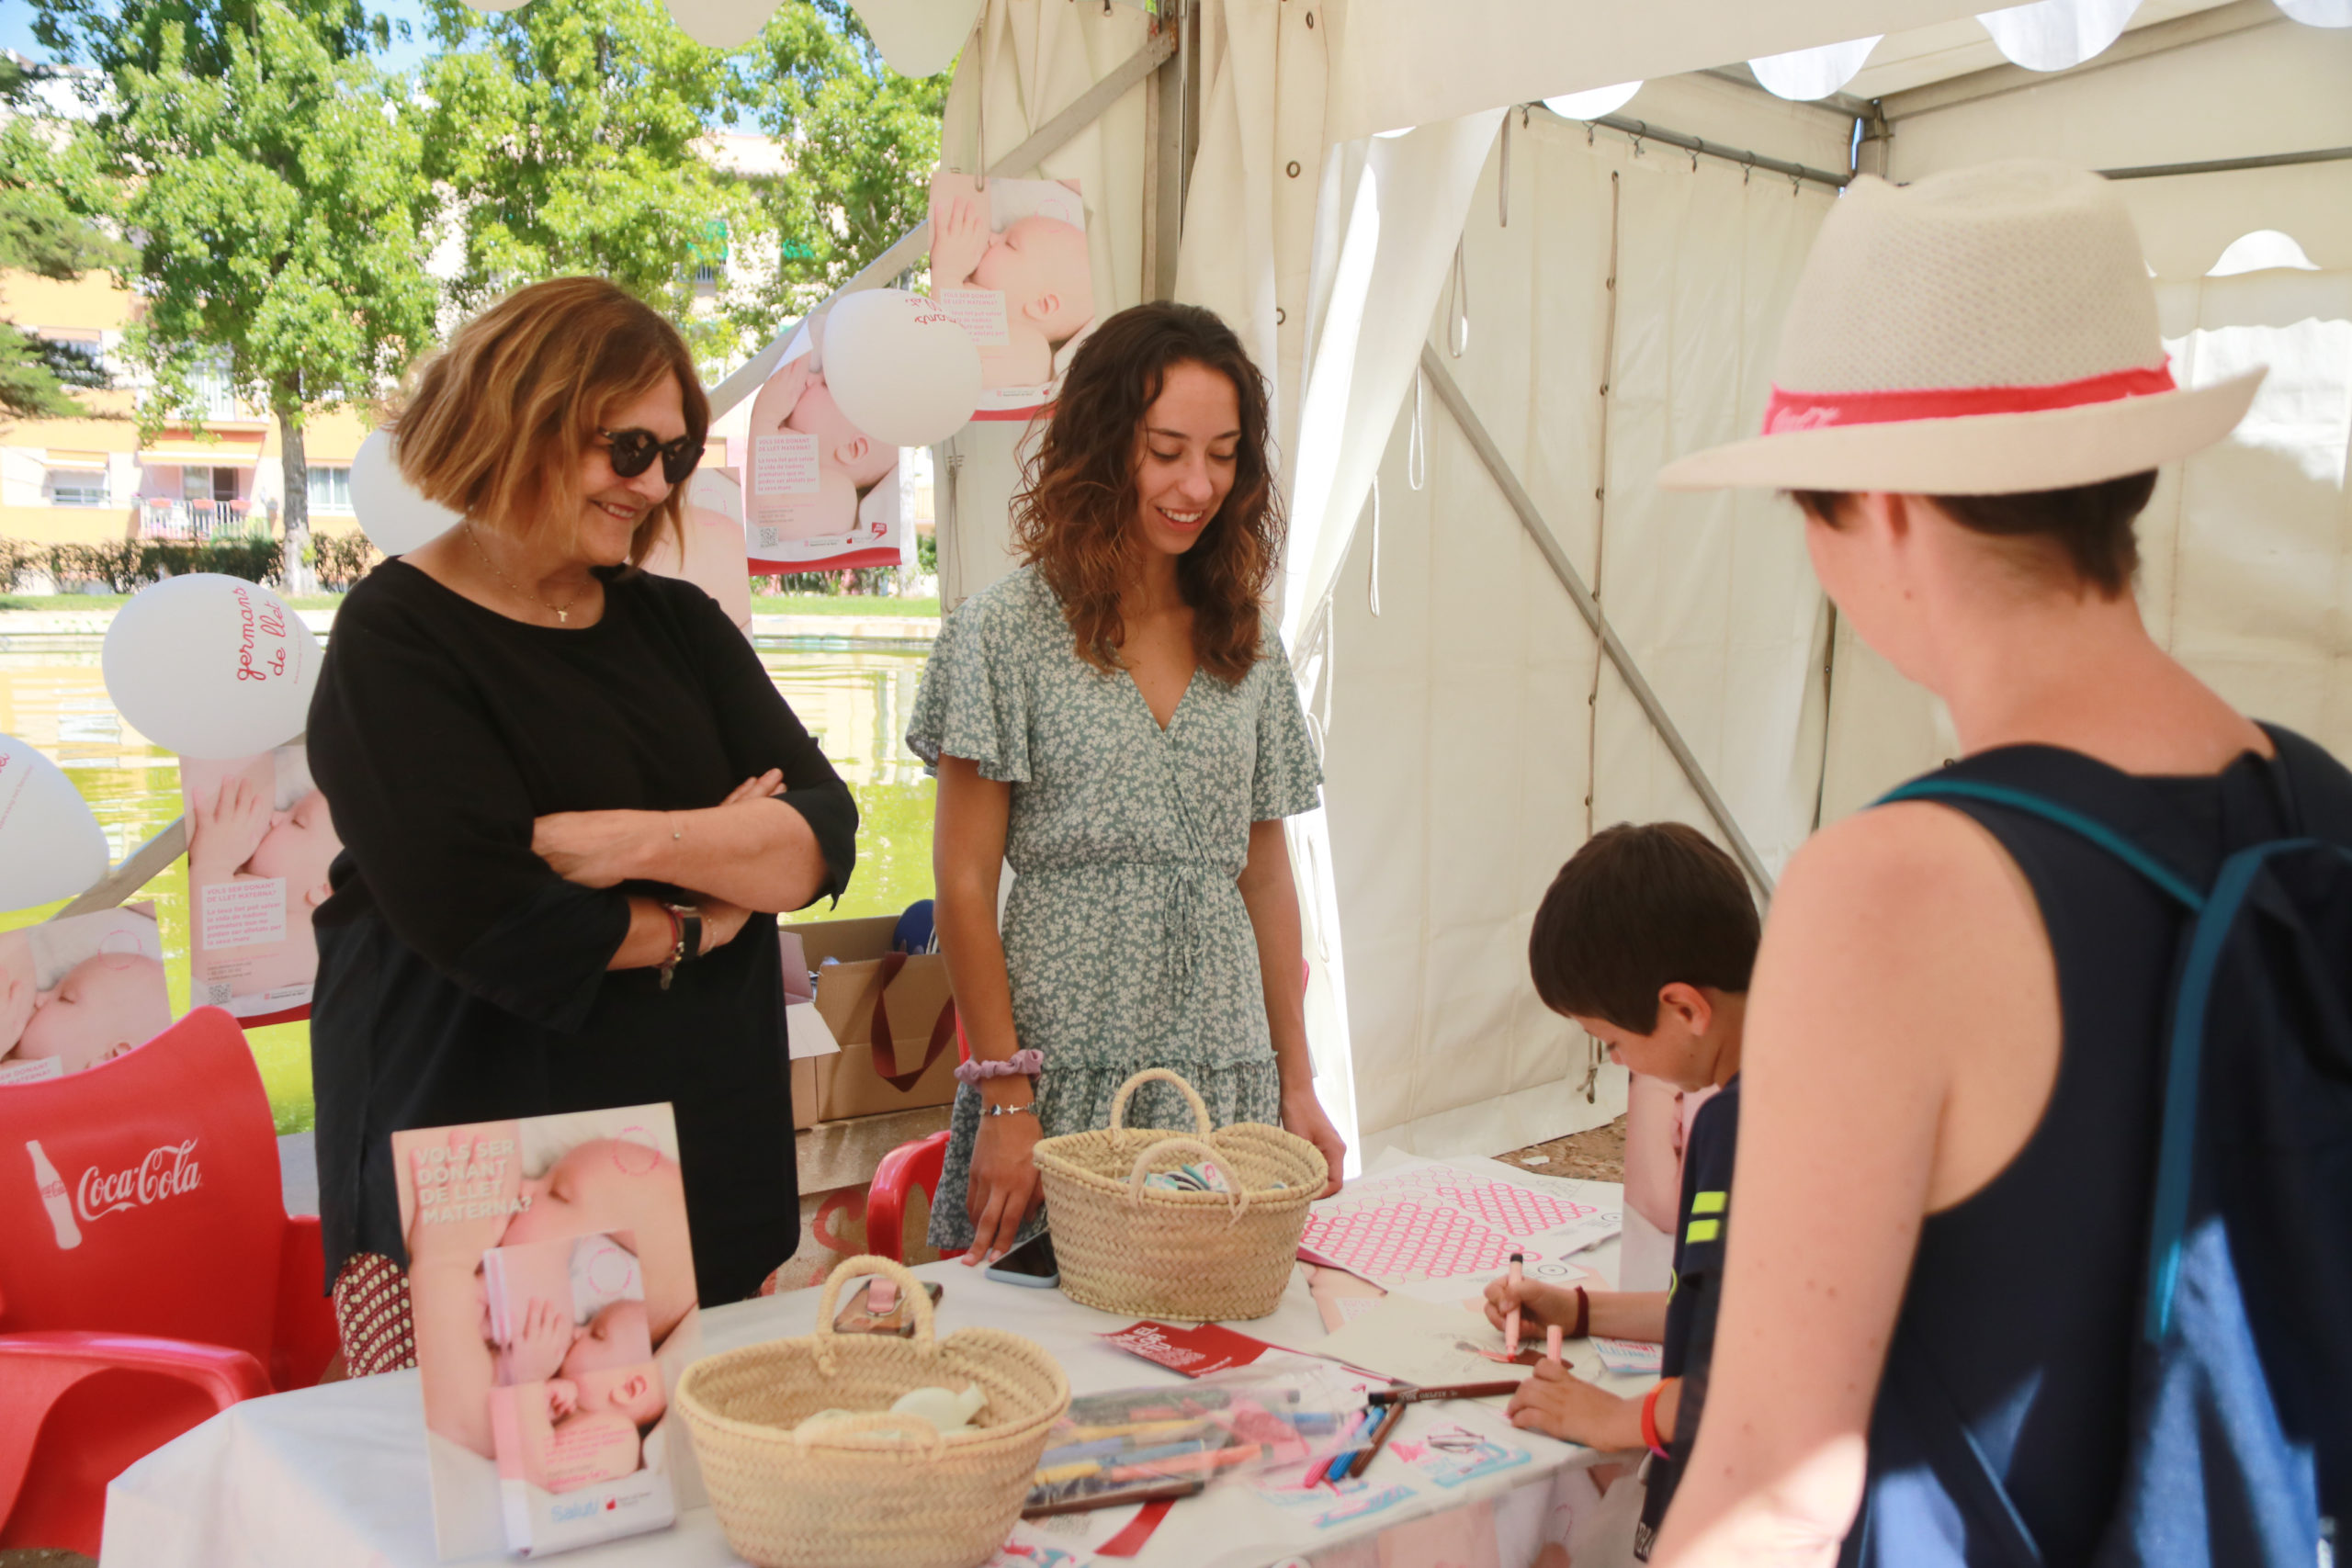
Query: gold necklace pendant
(563, 617)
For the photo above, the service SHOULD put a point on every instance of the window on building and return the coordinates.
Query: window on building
(78, 486)
(211, 394)
(330, 490)
(77, 358)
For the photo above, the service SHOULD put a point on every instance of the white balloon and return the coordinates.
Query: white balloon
(51, 847)
(1594, 102)
(900, 367)
(497, 4)
(917, 38)
(2319, 13)
(721, 24)
(211, 666)
(393, 516)
(2057, 35)
(1802, 75)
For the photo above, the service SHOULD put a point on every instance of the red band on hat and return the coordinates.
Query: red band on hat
(1813, 410)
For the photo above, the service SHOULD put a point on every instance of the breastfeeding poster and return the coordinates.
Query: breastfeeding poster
(80, 991)
(714, 559)
(819, 494)
(1012, 264)
(259, 842)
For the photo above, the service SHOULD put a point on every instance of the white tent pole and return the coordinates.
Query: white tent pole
(1449, 394)
(139, 868)
(1049, 138)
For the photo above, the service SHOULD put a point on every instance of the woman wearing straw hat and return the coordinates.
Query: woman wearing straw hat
(1953, 1039)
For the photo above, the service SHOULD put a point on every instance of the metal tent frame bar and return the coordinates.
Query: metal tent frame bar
(1643, 131)
(1500, 469)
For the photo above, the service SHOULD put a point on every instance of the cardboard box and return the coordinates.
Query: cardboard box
(916, 1001)
(810, 1045)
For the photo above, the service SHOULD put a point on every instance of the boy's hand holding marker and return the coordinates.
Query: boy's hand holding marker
(1556, 1401)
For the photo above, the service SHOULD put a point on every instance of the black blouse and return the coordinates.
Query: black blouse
(460, 979)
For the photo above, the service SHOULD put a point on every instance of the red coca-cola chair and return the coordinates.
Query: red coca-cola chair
(149, 1278)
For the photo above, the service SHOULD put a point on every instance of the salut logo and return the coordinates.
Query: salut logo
(166, 1172)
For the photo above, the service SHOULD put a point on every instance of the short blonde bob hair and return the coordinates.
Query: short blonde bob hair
(494, 425)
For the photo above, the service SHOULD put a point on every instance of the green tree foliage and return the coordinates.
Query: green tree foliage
(275, 188)
(47, 181)
(863, 141)
(568, 136)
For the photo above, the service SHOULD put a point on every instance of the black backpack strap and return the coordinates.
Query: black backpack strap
(2316, 792)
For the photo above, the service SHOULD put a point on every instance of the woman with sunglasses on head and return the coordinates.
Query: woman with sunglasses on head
(573, 802)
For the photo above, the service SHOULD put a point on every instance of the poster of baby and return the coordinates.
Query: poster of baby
(552, 1286)
(80, 991)
(259, 841)
(1011, 263)
(819, 493)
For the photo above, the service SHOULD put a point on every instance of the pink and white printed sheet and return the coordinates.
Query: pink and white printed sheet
(1427, 1220)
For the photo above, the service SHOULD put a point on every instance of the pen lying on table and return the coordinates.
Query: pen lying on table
(1445, 1391)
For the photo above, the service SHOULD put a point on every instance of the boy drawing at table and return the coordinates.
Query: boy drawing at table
(1645, 941)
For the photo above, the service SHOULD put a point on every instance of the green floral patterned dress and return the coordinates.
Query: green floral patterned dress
(1127, 941)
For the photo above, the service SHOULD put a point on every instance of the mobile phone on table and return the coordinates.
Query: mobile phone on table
(1031, 1263)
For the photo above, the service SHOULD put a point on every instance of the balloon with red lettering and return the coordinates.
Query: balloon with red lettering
(395, 518)
(211, 666)
(901, 368)
(51, 846)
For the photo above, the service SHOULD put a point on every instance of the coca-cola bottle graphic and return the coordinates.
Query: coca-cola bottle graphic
(54, 1198)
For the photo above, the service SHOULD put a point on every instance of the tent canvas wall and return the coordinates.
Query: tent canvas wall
(1469, 719)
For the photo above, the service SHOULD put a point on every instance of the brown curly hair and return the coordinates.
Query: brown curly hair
(1074, 516)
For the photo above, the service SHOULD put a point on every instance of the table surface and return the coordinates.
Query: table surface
(337, 1475)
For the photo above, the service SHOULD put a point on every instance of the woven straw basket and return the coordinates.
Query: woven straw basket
(875, 1491)
(1124, 1247)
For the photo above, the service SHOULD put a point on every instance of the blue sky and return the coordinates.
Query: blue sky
(17, 30)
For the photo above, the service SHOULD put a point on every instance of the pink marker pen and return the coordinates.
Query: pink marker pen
(1511, 1321)
(1551, 1344)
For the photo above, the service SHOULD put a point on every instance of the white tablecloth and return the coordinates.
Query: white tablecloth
(335, 1477)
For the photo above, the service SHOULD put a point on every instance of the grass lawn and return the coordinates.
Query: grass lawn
(769, 605)
(843, 605)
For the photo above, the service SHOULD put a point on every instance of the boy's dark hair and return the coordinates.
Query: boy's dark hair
(2091, 524)
(1641, 906)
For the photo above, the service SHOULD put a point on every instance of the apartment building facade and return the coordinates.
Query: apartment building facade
(93, 481)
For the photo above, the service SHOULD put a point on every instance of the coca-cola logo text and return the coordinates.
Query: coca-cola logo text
(165, 1173)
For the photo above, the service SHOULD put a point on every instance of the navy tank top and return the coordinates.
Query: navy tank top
(2018, 1320)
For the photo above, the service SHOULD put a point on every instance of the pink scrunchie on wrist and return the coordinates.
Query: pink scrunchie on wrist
(1027, 1063)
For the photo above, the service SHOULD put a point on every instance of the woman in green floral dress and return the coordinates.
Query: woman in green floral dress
(1116, 718)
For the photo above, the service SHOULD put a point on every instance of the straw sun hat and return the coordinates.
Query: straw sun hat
(1985, 332)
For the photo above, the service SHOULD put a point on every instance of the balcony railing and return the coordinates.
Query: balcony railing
(198, 520)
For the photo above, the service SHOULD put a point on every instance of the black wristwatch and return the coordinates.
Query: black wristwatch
(685, 939)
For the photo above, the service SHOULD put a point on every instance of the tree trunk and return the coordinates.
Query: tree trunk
(296, 575)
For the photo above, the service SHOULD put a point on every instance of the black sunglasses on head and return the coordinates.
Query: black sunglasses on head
(633, 451)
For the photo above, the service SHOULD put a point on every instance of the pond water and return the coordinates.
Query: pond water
(856, 698)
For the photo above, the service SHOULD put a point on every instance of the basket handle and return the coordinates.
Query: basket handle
(1135, 1177)
(926, 1436)
(1119, 1101)
(911, 1291)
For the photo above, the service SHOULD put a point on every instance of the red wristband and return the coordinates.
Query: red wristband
(1584, 1315)
(1649, 1421)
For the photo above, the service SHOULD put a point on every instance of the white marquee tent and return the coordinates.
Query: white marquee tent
(1490, 324)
